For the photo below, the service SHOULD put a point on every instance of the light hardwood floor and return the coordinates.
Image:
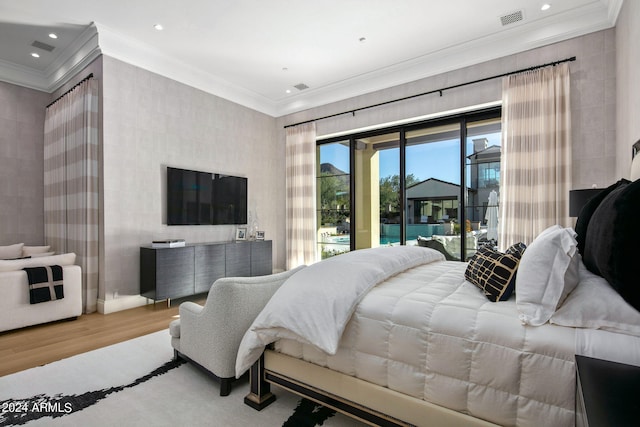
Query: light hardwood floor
(38, 345)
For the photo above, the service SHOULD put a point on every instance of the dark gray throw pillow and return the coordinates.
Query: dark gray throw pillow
(613, 236)
(582, 222)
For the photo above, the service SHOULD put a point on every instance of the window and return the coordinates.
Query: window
(488, 174)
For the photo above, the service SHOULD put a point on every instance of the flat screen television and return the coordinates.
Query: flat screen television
(204, 198)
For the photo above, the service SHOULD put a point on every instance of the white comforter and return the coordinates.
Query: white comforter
(424, 331)
(314, 305)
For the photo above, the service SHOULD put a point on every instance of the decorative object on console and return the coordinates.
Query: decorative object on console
(241, 233)
(171, 243)
(259, 235)
(252, 225)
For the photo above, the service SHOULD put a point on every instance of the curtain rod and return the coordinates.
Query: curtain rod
(535, 67)
(67, 92)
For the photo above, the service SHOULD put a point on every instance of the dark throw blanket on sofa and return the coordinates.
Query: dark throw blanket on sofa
(45, 283)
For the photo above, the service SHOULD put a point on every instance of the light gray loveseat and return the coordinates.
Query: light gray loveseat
(209, 336)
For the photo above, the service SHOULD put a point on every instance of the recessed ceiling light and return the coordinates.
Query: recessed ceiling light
(545, 6)
(158, 27)
(362, 39)
(53, 35)
(288, 90)
(35, 55)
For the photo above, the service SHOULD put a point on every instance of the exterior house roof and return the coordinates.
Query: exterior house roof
(490, 153)
(433, 188)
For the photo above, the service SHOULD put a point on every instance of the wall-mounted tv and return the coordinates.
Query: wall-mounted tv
(204, 198)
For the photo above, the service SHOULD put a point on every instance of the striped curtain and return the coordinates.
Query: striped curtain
(536, 154)
(71, 197)
(301, 195)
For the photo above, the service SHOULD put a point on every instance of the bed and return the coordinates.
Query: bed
(400, 336)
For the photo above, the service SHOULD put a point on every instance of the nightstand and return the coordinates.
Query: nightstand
(606, 393)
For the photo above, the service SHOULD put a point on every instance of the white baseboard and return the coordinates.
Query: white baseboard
(122, 303)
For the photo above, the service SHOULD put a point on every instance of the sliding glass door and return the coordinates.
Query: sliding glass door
(378, 206)
(434, 184)
(482, 170)
(433, 191)
(333, 185)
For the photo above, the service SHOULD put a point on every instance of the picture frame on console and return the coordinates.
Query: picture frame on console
(241, 233)
(259, 235)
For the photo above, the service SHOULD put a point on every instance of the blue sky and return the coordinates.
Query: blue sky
(437, 160)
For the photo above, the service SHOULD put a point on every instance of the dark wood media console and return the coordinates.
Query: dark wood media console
(167, 273)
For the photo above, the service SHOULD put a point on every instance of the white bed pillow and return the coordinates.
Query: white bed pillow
(42, 254)
(594, 304)
(11, 251)
(548, 271)
(33, 250)
(19, 264)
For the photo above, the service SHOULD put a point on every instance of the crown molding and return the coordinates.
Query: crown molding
(142, 55)
(73, 58)
(22, 76)
(69, 62)
(520, 38)
(99, 39)
(614, 7)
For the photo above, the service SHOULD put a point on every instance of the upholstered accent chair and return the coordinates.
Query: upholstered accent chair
(209, 336)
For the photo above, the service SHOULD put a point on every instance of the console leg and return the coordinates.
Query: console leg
(260, 395)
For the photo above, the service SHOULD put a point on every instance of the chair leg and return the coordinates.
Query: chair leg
(225, 386)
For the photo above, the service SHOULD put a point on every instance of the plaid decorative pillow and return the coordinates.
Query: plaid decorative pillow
(493, 272)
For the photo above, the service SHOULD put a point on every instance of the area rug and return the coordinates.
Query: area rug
(137, 383)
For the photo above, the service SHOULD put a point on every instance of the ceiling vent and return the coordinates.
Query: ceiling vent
(301, 86)
(43, 46)
(510, 18)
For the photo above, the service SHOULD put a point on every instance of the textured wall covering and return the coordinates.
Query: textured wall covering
(151, 122)
(21, 163)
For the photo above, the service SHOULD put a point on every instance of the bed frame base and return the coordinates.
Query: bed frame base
(260, 395)
(348, 395)
(348, 408)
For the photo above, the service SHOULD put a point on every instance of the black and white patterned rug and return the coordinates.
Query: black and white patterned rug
(114, 386)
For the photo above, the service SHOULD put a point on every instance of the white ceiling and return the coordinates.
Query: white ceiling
(253, 51)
